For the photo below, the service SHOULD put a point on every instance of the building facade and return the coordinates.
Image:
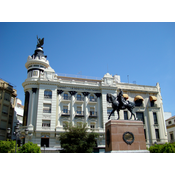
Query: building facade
(7, 104)
(18, 116)
(51, 100)
(170, 125)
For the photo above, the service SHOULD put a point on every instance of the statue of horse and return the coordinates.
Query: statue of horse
(118, 105)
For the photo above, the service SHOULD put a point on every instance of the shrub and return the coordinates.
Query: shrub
(7, 146)
(165, 148)
(30, 148)
(76, 139)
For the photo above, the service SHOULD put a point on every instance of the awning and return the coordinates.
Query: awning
(138, 97)
(125, 96)
(152, 98)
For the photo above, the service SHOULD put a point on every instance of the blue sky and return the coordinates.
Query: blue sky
(144, 51)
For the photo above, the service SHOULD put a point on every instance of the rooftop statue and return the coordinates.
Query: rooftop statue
(119, 103)
(40, 41)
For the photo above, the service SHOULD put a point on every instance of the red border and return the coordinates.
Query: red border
(87, 11)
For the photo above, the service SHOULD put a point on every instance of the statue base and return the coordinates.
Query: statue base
(125, 136)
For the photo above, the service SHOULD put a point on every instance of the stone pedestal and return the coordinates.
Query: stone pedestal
(125, 136)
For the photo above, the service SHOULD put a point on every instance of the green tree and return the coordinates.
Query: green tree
(7, 146)
(30, 148)
(76, 139)
(165, 148)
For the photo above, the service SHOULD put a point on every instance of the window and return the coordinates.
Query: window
(46, 108)
(7, 96)
(171, 137)
(92, 111)
(138, 102)
(125, 115)
(64, 123)
(79, 98)
(169, 122)
(5, 109)
(79, 112)
(140, 116)
(47, 94)
(152, 103)
(45, 123)
(92, 98)
(35, 73)
(65, 96)
(65, 109)
(109, 110)
(157, 134)
(155, 118)
(92, 125)
(79, 124)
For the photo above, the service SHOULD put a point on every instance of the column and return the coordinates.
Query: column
(99, 111)
(32, 105)
(72, 93)
(59, 92)
(85, 106)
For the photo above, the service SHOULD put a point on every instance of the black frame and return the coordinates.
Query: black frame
(126, 140)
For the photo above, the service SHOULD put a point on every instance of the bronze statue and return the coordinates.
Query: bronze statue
(119, 103)
(40, 41)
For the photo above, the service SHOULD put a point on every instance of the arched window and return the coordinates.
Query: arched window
(47, 94)
(65, 96)
(79, 97)
(92, 98)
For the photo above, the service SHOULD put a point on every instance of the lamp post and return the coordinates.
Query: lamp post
(17, 133)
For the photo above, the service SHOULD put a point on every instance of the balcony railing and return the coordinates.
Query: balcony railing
(46, 110)
(80, 99)
(93, 100)
(65, 112)
(66, 98)
(79, 113)
(47, 96)
(92, 114)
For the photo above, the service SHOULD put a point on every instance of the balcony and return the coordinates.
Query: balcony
(46, 110)
(93, 100)
(65, 112)
(79, 114)
(92, 114)
(66, 98)
(47, 97)
(80, 99)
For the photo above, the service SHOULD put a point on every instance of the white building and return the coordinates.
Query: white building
(50, 100)
(170, 125)
(18, 116)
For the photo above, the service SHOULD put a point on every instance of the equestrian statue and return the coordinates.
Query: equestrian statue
(119, 103)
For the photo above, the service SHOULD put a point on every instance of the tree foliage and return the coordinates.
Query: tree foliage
(30, 148)
(76, 139)
(165, 148)
(7, 146)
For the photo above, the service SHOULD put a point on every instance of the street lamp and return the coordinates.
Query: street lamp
(17, 133)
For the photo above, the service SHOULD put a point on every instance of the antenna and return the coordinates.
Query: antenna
(128, 78)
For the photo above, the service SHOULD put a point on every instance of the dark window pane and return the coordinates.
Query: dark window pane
(140, 116)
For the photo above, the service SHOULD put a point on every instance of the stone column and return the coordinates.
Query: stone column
(99, 111)
(59, 92)
(32, 105)
(85, 106)
(72, 93)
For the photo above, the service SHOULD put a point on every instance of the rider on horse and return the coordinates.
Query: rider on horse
(121, 99)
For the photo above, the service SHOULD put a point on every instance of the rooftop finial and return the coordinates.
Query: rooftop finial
(40, 41)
